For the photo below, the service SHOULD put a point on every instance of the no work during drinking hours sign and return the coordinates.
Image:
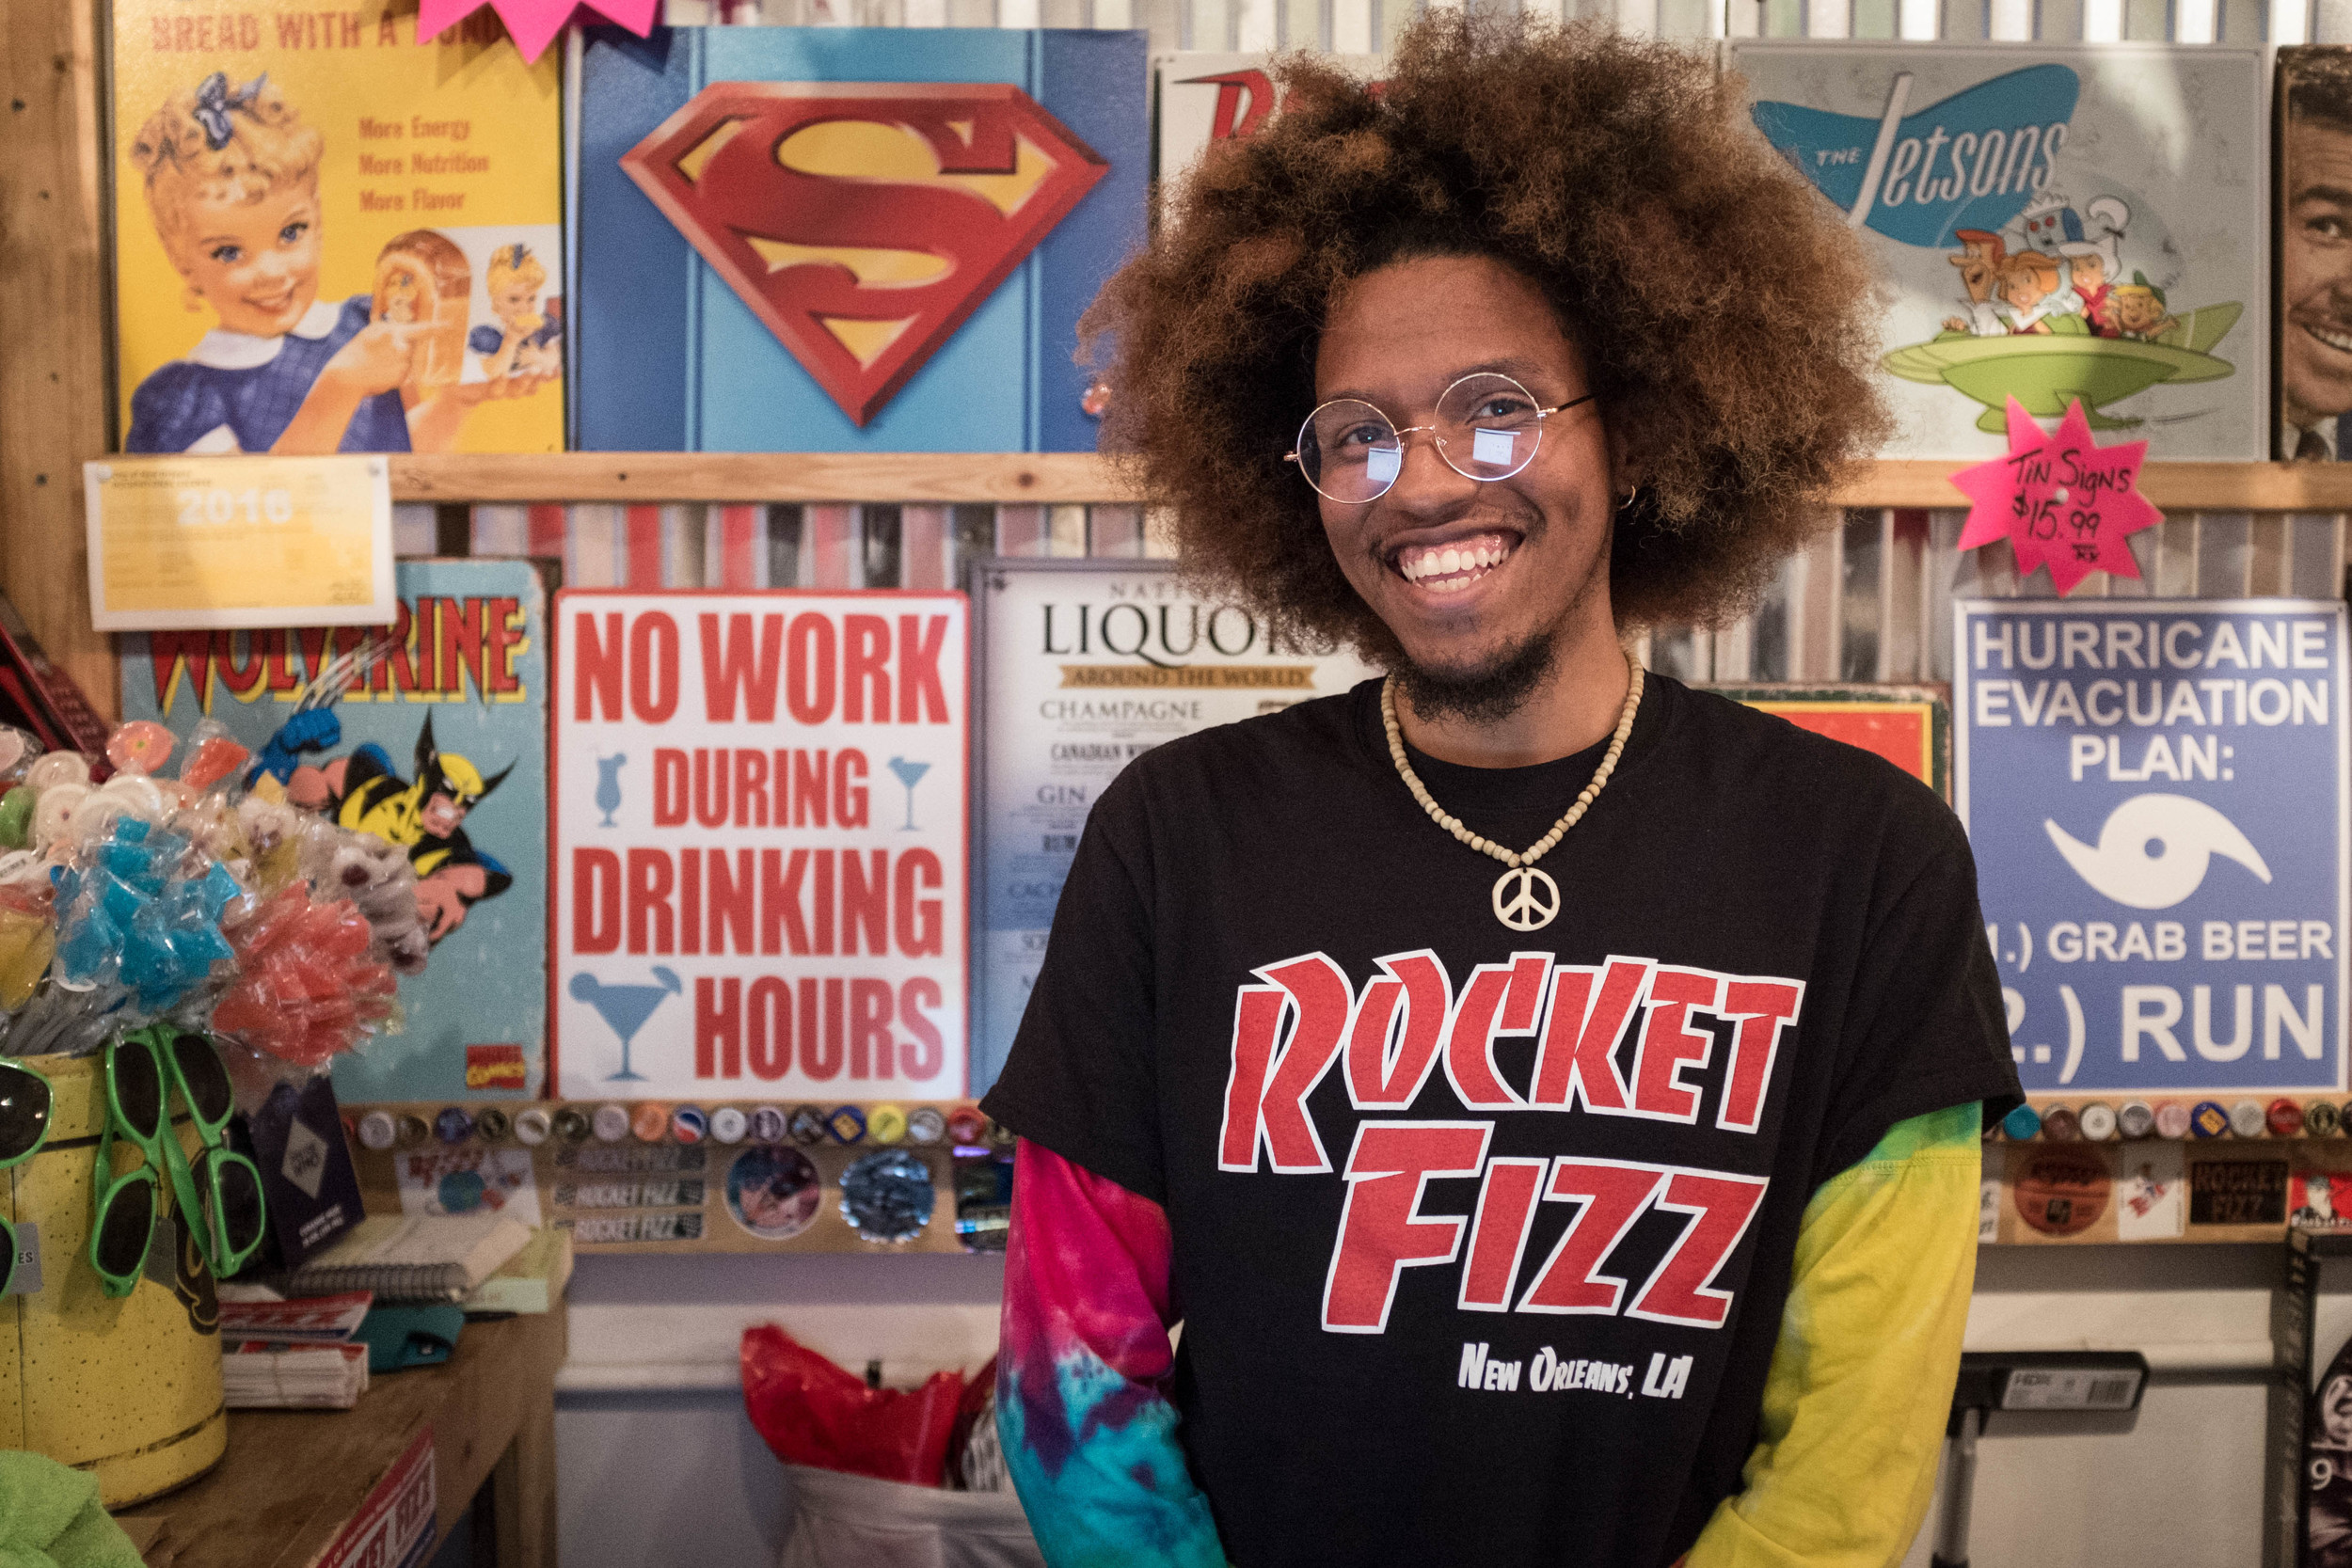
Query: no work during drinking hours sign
(760, 846)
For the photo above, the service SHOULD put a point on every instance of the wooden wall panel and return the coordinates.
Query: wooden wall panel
(53, 329)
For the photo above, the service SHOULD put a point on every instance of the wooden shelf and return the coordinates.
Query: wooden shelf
(1065, 478)
(2173, 487)
(291, 1479)
(647, 477)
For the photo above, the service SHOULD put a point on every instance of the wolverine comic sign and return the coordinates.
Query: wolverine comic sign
(430, 734)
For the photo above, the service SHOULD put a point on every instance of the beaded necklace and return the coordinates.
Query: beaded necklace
(1525, 899)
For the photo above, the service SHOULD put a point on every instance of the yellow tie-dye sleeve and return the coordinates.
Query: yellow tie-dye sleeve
(1860, 1384)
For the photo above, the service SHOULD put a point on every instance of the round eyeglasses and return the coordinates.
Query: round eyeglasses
(1487, 427)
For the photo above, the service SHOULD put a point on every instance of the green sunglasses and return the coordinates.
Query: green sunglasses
(122, 1224)
(223, 1189)
(26, 1102)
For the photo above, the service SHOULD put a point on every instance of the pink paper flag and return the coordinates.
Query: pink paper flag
(534, 24)
(2061, 501)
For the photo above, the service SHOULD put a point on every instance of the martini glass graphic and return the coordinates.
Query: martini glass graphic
(910, 774)
(625, 1007)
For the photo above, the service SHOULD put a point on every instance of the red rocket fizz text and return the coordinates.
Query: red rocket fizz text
(1390, 1037)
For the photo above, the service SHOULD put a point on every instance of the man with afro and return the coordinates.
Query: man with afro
(1547, 1095)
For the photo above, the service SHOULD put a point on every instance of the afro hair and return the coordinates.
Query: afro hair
(1723, 311)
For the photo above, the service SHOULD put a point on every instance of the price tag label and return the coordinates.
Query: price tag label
(27, 1280)
(2071, 1388)
(179, 543)
(2062, 502)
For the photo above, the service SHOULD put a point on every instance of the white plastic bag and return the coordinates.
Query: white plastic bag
(846, 1521)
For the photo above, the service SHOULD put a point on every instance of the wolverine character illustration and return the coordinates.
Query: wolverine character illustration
(426, 816)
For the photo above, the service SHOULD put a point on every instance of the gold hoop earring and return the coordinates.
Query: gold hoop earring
(1628, 498)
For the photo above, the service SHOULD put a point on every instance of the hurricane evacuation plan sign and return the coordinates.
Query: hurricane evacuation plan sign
(759, 845)
(2156, 794)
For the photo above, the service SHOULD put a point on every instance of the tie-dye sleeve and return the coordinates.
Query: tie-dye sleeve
(1860, 1386)
(1083, 1372)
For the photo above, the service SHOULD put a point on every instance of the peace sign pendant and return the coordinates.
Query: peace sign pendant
(1526, 899)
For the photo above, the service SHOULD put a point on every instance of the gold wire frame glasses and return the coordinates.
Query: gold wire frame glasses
(1487, 427)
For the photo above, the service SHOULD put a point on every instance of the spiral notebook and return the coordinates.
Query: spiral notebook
(412, 1259)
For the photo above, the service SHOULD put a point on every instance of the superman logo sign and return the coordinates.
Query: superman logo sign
(864, 222)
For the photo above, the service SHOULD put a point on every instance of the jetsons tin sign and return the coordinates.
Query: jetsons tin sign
(2052, 225)
(1972, 160)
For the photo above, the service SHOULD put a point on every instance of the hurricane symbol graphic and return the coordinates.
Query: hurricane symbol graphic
(2153, 849)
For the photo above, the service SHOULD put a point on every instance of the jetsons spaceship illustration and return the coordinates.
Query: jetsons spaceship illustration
(2026, 256)
(2046, 372)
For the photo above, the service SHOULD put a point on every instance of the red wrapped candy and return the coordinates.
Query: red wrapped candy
(215, 759)
(306, 987)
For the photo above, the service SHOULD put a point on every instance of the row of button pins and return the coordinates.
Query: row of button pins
(2096, 1121)
(650, 1121)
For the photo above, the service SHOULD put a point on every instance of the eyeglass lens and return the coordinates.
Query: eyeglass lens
(207, 1080)
(240, 1198)
(1487, 427)
(124, 1228)
(24, 1112)
(137, 1089)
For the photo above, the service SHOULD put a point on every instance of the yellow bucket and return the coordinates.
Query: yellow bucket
(127, 1388)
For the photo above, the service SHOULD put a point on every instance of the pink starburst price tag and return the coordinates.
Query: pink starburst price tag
(534, 24)
(2061, 501)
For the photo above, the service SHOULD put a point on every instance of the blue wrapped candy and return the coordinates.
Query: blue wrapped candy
(134, 919)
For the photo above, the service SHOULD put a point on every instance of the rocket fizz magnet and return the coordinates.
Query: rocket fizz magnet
(167, 881)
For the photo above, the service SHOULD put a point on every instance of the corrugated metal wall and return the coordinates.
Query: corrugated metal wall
(1869, 601)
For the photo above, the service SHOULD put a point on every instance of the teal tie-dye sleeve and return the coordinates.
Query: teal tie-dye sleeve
(1082, 1375)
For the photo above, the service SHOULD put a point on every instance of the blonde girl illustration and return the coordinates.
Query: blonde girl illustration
(527, 341)
(232, 178)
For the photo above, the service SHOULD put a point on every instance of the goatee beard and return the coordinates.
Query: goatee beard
(1483, 696)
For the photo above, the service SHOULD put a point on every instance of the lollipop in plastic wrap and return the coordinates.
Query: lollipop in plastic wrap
(307, 985)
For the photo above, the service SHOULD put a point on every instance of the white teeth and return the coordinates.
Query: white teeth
(1463, 562)
(2333, 340)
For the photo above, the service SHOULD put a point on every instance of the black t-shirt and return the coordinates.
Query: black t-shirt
(1482, 1235)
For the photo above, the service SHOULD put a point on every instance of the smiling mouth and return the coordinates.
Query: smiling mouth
(1453, 566)
(2335, 338)
(271, 304)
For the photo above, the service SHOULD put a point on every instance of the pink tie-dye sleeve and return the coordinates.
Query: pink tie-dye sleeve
(1083, 1372)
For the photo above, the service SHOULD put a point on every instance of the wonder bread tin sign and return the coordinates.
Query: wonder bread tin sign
(759, 845)
(2156, 793)
(2048, 225)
